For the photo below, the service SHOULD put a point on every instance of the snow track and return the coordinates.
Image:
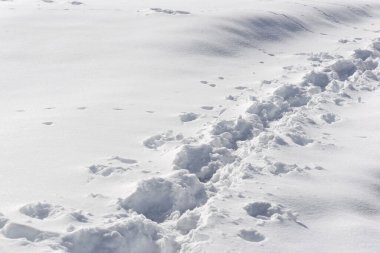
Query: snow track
(230, 176)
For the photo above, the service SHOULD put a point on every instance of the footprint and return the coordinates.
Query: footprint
(208, 108)
(40, 210)
(19, 231)
(241, 87)
(160, 139)
(82, 108)
(117, 109)
(212, 85)
(262, 210)
(221, 78)
(204, 82)
(329, 118)
(232, 98)
(48, 123)
(266, 82)
(187, 117)
(251, 235)
(76, 3)
(167, 11)
(49, 108)
(105, 171)
(124, 160)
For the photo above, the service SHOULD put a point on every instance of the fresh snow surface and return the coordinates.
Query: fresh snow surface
(189, 126)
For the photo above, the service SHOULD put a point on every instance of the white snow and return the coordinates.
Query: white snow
(189, 126)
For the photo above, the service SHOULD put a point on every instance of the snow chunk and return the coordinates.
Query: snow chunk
(157, 198)
(318, 79)
(376, 45)
(362, 54)
(187, 222)
(193, 157)
(267, 110)
(229, 132)
(369, 74)
(343, 69)
(135, 235)
(366, 65)
(292, 94)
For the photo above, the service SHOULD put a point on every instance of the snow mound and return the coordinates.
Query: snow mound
(292, 94)
(203, 160)
(187, 222)
(343, 69)
(376, 45)
(158, 198)
(362, 54)
(319, 79)
(194, 158)
(40, 210)
(267, 111)
(135, 235)
(366, 65)
(228, 132)
(16, 231)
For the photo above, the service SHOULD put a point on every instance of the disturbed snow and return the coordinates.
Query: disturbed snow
(284, 161)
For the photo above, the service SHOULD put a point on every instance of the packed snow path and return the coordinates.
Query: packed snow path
(189, 127)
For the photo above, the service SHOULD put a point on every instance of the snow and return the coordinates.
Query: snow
(189, 126)
(135, 235)
(158, 198)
